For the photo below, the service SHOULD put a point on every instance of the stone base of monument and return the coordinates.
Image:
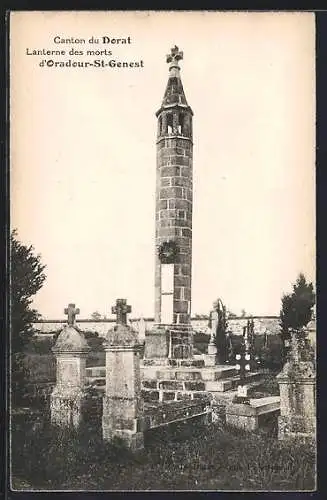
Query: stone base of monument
(198, 362)
(175, 383)
(173, 341)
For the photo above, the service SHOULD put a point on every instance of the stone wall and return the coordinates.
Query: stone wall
(262, 324)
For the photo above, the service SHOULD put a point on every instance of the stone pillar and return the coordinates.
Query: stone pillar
(174, 198)
(68, 396)
(211, 357)
(122, 404)
(297, 386)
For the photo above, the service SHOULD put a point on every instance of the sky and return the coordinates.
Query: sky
(83, 155)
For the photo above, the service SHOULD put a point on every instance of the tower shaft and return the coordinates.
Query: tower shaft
(174, 198)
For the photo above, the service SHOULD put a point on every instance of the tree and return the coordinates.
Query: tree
(26, 279)
(297, 310)
(220, 337)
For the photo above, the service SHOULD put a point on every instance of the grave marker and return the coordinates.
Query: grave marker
(122, 404)
(68, 396)
(297, 387)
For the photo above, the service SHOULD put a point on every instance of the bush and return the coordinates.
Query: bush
(268, 387)
(40, 345)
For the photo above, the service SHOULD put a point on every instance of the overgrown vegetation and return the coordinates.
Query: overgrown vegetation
(267, 348)
(193, 458)
(296, 312)
(26, 278)
(268, 387)
(220, 336)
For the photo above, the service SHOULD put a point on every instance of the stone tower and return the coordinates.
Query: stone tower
(174, 195)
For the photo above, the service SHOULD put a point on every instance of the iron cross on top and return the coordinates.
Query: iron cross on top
(174, 56)
(71, 312)
(121, 309)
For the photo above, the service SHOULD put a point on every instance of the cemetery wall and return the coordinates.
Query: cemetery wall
(262, 324)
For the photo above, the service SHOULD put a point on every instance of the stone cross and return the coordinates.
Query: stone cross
(71, 312)
(174, 56)
(121, 309)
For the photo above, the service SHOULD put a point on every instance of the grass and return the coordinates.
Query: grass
(184, 458)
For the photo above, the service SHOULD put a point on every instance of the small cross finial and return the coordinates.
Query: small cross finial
(174, 56)
(121, 309)
(71, 312)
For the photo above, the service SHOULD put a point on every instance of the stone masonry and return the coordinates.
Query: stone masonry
(174, 192)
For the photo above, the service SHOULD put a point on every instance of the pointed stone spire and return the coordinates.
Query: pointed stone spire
(174, 93)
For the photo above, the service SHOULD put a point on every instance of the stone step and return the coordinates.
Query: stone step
(220, 385)
(194, 362)
(190, 373)
(231, 383)
(155, 396)
(174, 385)
(227, 396)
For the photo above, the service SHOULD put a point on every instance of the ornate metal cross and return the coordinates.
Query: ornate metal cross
(174, 56)
(243, 363)
(71, 312)
(245, 357)
(121, 309)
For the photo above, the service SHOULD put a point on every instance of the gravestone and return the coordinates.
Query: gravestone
(68, 396)
(122, 403)
(297, 386)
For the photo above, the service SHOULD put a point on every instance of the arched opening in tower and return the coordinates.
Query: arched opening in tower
(170, 123)
(181, 124)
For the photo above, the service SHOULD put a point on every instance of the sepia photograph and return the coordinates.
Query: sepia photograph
(162, 251)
